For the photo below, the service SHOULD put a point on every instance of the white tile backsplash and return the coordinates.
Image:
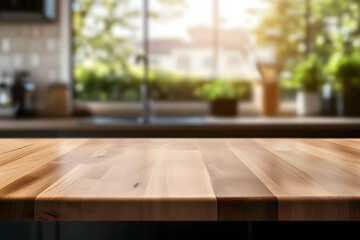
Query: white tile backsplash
(35, 31)
(29, 49)
(5, 63)
(18, 61)
(50, 31)
(5, 45)
(36, 47)
(51, 45)
(53, 75)
(19, 45)
(7, 31)
(50, 61)
(23, 31)
(34, 60)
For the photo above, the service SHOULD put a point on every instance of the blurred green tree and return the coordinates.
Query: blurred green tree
(106, 30)
(107, 36)
(298, 28)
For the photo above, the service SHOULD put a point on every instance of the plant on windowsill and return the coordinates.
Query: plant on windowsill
(308, 80)
(223, 97)
(346, 70)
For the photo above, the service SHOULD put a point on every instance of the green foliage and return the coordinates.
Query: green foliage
(172, 86)
(220, 90)
(103, 71)
(283, 28)
(309, 75)
(99, 83)
(94, 23)
(334, 29)
(346, 69)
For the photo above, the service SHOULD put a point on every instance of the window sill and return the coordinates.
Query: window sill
(132, 109)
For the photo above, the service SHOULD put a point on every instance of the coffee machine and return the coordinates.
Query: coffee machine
(23, 94)
(6, 105)
(17, 94)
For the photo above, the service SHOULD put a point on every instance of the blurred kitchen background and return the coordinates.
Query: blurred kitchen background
(179, 58)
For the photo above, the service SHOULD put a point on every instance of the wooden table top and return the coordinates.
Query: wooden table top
(179, 179)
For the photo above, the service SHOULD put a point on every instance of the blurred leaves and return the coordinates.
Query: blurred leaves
(222, 89)
(334, 41)
(104, 71)
(308, 76)
(346, 69)
(101, 84)
(105, 42)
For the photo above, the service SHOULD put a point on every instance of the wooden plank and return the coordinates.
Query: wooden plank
(13, 145)
(179, 189)
(322, 168)
(17, 199)
(240, 194)
(35, 159)
(127, 191)
(310, 183)
(280, 177)
(293, 187)
(340, 156)
(62, 200)
(122, 188)
(309, 208)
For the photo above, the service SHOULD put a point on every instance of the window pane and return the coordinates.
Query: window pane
(106, 41)
(237, 43)
(181, 47)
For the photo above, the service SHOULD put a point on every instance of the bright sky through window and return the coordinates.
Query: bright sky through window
(233, 14)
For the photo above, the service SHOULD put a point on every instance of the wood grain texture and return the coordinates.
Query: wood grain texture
(180, 179)
(241, 195)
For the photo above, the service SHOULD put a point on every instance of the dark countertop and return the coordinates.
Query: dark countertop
(207, 127)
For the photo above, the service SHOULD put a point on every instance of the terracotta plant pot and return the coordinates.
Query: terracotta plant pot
(224, 108)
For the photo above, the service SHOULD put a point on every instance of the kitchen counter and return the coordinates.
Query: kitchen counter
(320, 127)
(179, 179)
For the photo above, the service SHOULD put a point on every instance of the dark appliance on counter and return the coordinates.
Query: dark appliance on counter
(23, 96)
(329, 101)
(5, 90)
(6, 107)
(28, 10)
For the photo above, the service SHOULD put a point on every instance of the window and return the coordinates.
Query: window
(183, 63)
(208, 62)
(176, 44)
(233, 60)
(108, 49)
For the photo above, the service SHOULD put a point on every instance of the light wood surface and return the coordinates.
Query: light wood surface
(180, 179)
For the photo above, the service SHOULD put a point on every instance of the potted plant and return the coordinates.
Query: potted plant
(308, 79)
(347, 79)
(223, 97)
